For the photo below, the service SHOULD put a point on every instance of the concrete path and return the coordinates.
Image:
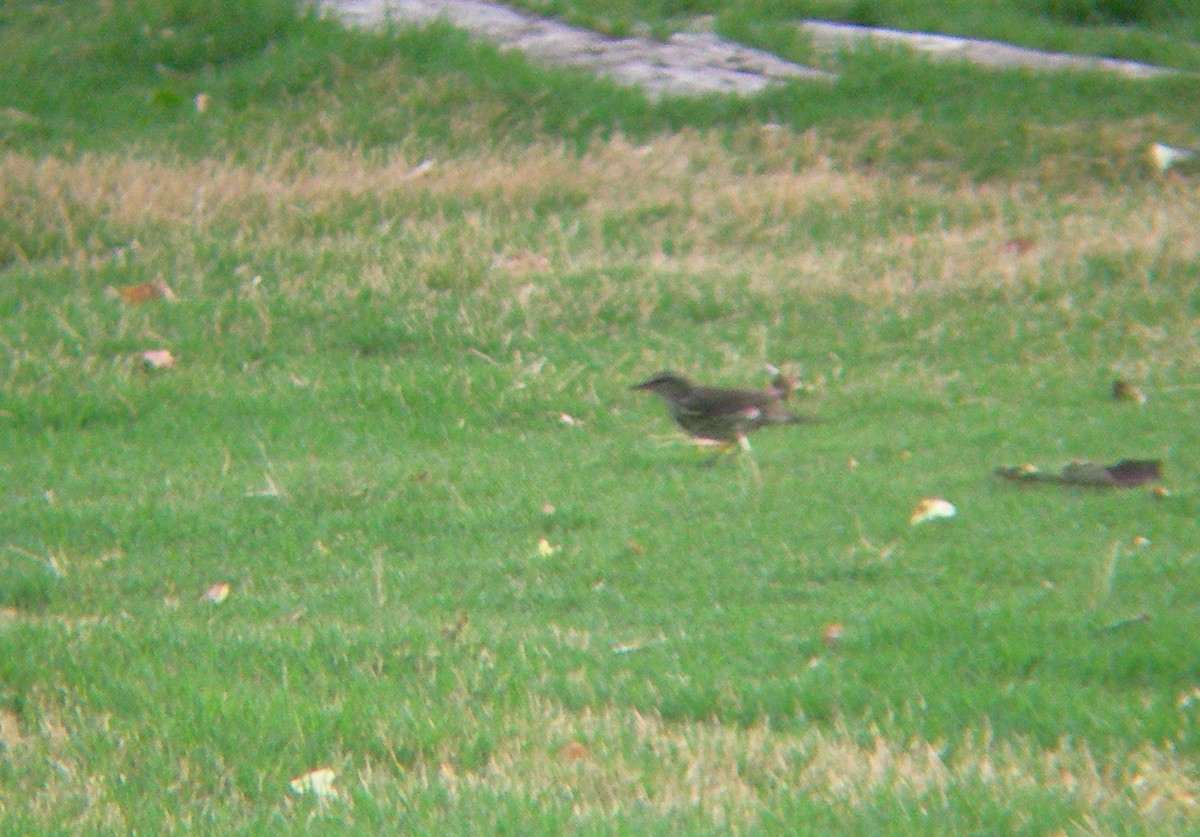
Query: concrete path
(688, 64)
(984, 53)
(692, 63)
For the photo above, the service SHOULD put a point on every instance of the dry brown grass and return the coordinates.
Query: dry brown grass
(608, 762)
(683, 208)
(615, 760)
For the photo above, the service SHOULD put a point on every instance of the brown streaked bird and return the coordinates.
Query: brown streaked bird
(717, 414)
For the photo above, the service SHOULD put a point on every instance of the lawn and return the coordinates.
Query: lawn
(389, 507)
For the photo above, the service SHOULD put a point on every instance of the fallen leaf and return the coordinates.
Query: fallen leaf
(932, 508)
(420, 169)
(1127, 473)
(217, 593)
(548, 509)
(1141, 541)
(1018, 246)
(574, 752)
(201, 101)
(1125, 391)
(1132, 472)
(636, 548)
(156, 358)
(144, 292)
(832, 633)
(1164, 156)
(545, 549)
(318, 782)
(569, 420)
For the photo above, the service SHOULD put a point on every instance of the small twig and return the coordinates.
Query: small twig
(1124, 623)
(1110, 572)
(483, 356)
(380, 587)
(630, 647)
(49, 563)
(272, 490)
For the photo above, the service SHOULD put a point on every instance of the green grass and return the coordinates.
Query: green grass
(363, 436)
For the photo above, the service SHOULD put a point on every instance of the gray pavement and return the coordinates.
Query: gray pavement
(698, 62)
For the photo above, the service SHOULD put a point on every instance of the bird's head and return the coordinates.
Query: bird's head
(667, 384)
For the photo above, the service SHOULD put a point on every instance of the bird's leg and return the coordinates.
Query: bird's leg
(743, 444)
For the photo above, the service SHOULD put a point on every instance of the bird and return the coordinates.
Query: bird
(723, 416)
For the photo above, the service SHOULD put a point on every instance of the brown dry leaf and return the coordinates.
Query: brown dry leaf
(1128, 473)
(636, 548)
(574, 752)
(832, 633)
(1018, 246)
(1125, 391)
(157, 358)
(548, 509)
(217, 593)
(569, 420)
(144, 292)
(932, 508)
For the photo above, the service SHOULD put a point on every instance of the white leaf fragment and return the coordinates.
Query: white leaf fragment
(932, 508)
(318, 782)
